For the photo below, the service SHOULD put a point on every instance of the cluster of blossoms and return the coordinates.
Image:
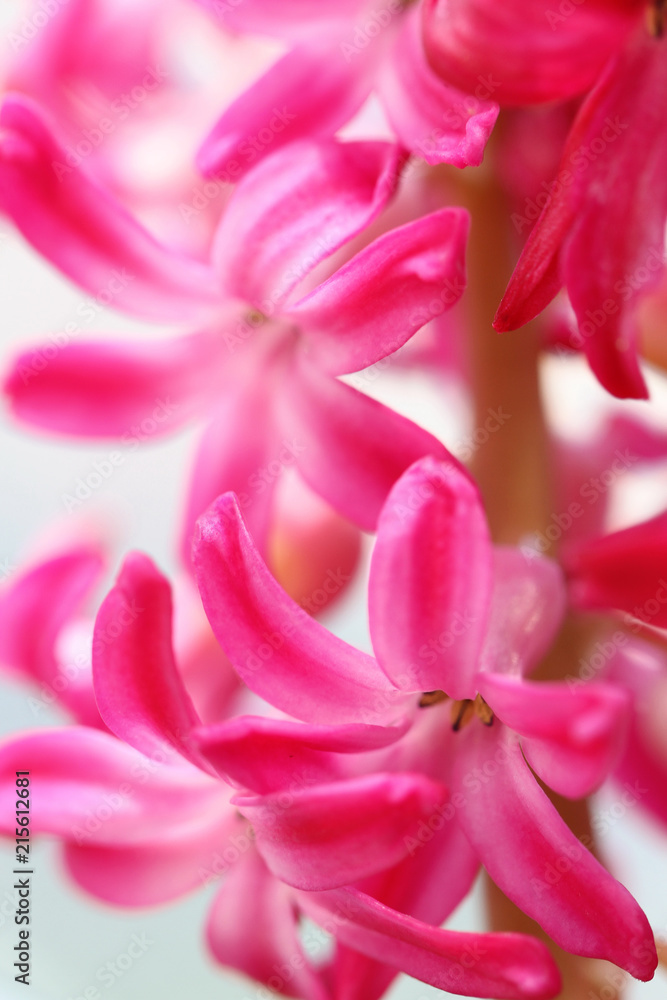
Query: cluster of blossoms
(304, 239)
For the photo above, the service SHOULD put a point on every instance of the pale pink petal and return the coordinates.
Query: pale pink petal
(139, 690)
(538, 862)
(324, 836)
(437, 122)
(278, 649)
(131, 390)
(310, 92)
(35, 607)
(264, 17)
(238, 452)
(352, 449)
(149, 874)
(263, 754)
(373, 304)
(527, 609)
(504, 966)
(90, 788)
(572, 736)
(624, 570)
(253, 898)
(81, 229)
(295, 209)
(523, 53)
(431, 580)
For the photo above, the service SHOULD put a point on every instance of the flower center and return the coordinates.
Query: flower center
(463, 711)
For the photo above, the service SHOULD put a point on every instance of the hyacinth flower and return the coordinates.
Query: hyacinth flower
(469, 622)
(601, 231)
(338, 55)
(261, 366)
(148, 821)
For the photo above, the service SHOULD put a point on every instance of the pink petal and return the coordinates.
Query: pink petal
(572, 736)
(250, 898)
(427, 886)
(530, 853)
(527, 609)
(237, 453)
(86, 233)
(431, 580)
(290, 20)
(139, 690)
(352, 448)
(437, 122)
(277, 648)
(523, 53)
(90, 788)
(38, 604)
(295, 209)
(153, 873)
(129, 390)
(326, 836)
(310, 92)
(623, 570)
(503, 966)
(373, 304)
(263, 754)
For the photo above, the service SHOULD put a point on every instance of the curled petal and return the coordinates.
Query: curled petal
(572, 736)
(253, 897)
(86, 233)
(537, 861)
(278, 649)
(139, 690)
(295, 209)
(503, 966)
(431, 580)
(373, 304)
(326, 836)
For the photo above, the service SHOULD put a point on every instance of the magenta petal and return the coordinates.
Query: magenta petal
(431, 580)
(277, 648)
(572, 736)
(523, 53)
(107, 389)
(373, 304)
(437, 122)
(527, 609)
(139, 691)
(352, 449)
(263, 754)
(530, 853)
(86, 233)
(264, 17)
(252, 898)
(310, 92)
(623, 570)
(503, 966)
(295, 209)
(326, 836)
